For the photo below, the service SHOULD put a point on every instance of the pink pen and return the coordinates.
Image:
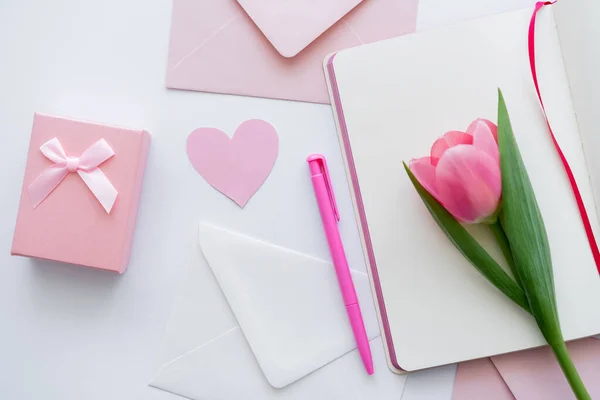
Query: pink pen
(330, 215)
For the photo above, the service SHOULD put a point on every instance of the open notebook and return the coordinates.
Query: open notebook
(391, 100)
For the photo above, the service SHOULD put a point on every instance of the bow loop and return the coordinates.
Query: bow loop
(95, 155)
(54, 151)
(86, 167)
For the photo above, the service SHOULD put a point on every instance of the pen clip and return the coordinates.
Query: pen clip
(325, 172)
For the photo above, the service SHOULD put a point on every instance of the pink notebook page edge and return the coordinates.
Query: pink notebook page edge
(361, 211)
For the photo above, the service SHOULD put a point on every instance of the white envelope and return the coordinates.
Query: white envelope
(291, 321)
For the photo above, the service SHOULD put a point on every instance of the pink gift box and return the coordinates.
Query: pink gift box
(75, 222)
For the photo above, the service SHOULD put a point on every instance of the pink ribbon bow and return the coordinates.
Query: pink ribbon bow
(86, 166)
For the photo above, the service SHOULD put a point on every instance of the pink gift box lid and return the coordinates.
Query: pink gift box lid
(71, 225)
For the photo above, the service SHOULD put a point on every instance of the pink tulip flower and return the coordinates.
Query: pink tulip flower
(463, 172)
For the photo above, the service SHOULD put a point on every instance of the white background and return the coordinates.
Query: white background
(74, 333)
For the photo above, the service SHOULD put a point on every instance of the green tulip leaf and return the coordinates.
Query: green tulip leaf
(525, 230)
(526, 233)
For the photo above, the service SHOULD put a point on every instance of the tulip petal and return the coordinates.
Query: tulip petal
(450, 139)
(468, 183)
(483, 138)
(490, 124)
(424, 171)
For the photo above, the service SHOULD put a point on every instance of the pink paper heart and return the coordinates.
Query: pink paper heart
(237, 166)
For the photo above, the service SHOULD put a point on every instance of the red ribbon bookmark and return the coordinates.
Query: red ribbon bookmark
(582, 211)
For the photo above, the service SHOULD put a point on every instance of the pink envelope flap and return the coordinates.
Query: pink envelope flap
(291, 25)
(536, 375)
(479, 379)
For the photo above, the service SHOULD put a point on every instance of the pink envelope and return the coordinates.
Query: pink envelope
(479, 379)
(216, 47)
(528, 375)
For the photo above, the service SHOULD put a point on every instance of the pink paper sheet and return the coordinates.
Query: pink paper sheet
(236, 166)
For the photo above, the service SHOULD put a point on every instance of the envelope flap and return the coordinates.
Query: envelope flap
(291, 25)
(479, 379)
(535, 374)
(288, 304)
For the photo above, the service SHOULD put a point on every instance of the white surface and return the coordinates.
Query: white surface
(431, 384)
(453, 297)
(70, 333)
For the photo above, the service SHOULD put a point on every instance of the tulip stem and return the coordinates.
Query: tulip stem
(502, 240)
(568, 368)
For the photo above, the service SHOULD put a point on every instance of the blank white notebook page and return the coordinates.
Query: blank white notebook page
(578, 30)
(397, 97)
